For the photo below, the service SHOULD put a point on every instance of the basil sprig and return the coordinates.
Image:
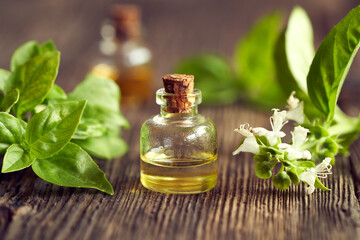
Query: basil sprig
(318, 78)
(40, 124)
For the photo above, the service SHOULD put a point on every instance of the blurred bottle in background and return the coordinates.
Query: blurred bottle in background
(124, 56)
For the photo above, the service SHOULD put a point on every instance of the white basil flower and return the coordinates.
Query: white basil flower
(295, 109)
(260, 131)
(244, 130)
(277, 121)
(321, 171)
(299, 137)
(249, 144)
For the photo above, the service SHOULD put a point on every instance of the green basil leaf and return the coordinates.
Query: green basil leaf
(293, 175)
(11, 131)
(282, 180)
(51, 129)
(16, 158)
(9, 100)
(48, 46)
(285, 76)
(111, 119)
(34, 80)
(294, 53)
(72, 167)
(56, 92)
(262, 140)
(214, 78)
(299, 45)
(24, 53)
(23, 125)
(328, 146)
(89, 128)
(98, 91)
(254, 62)
(4, 76)
(263, 169)
(347, 139)
(305, 164)
(262, 157)
(332, 62)
(107, 146)
(316, 129)
(103, 96)
(319, 184)
(29, 50)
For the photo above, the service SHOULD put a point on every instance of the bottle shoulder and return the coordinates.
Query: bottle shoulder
(179, 122)
(134, 53)
(192, 135)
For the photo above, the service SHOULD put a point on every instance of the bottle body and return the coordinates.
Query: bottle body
(130, 67)
(124, 57)
(178, 153)
(136, 73)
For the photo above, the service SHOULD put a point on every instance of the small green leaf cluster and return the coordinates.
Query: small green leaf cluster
(44, 128)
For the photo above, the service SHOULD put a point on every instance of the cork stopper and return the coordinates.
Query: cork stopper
(127, 18)
(181, 86)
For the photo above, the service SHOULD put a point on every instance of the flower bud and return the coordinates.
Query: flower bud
(282, 180)
(263, 170)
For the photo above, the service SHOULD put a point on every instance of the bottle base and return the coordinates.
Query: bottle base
(181, 185)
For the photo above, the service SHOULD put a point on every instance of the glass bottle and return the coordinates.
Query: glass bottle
(124, 56)
(178, 147)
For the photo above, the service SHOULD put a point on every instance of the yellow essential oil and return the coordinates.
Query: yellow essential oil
(168, 175)
(178, 147)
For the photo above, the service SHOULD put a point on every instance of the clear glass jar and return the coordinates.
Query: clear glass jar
(178, 151)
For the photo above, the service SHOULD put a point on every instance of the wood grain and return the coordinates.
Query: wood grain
(241, 206)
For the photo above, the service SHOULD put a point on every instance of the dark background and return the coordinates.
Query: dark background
(173, 29)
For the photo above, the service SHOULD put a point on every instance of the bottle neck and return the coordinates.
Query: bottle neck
(165, 113)
(129, 38)
(178, 106)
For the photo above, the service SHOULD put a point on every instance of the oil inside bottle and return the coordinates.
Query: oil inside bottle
(134, 82)
(178, 175)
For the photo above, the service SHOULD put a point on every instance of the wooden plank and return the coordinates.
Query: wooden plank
(240, 206)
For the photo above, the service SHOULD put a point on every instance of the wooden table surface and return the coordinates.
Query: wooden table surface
(241, 206)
